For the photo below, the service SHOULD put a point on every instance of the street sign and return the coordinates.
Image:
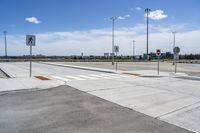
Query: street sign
(116, 49)
(176, 50)
(158, 52)
(176, 56)
(30, 40)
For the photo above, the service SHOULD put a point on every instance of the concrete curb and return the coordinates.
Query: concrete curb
(83, 68)
(6, 73)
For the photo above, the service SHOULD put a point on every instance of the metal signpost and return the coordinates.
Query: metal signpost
(30, 41)
(176, 56)
(116, 50)
(158, 53)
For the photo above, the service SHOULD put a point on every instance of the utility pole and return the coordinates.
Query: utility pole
(174, 44)
(5, 32)
(113, 36)
(133, 49)
(147, 10)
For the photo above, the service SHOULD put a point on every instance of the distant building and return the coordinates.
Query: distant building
(106, 54)
(111, 54)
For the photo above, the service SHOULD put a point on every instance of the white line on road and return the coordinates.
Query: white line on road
(109, 75)
(98, 76)
(73, 77)
(60, 78)
(87, 77)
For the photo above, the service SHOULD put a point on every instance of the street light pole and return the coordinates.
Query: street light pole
(113, 37)
(133, 49)
(5, 32)
(174, 44)
(147, 10)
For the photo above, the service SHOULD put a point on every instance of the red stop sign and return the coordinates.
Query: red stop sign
(158, 52)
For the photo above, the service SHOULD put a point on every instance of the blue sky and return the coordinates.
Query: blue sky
(84, 15)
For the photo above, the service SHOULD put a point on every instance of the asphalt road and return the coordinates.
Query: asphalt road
(68, 110)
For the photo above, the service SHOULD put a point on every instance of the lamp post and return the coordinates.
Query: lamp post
(113, 36)
(174, 44)
(133, 49)
(147, 10)
(5, 32)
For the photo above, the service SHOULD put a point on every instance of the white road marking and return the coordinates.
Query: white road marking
(109, 75)
(60, 78)
(73, 77)
(98, 76)
(87, 77)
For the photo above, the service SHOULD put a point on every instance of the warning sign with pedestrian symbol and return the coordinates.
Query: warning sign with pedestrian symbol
(30, 40)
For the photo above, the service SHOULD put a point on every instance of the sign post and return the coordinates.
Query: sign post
(158, 53)
(176, 56)
(116, 50)
(30, 41)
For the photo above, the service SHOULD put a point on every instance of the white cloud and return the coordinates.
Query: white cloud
(157, 15)
(33, 20)
(98, 41)
(138, 8)
(124, 17)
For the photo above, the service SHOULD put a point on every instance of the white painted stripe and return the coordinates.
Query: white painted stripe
(123, 76)
(87, 77)
(98, 76)
(120, 75)
(73, 77)
(60, 78)
(109, 75)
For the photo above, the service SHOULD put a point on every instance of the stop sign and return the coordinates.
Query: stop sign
(158, 52)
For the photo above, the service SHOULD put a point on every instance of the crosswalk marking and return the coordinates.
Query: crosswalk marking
(116, 75)
(99, 76)
(87, 77)
(64, 79)
(73, 77)
(109, 75)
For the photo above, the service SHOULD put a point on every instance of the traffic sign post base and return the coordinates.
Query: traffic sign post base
(158, 65)
(30, 61)
(30, 41)
(158, 54)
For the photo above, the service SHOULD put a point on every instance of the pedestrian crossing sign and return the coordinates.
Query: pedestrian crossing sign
(30, 40)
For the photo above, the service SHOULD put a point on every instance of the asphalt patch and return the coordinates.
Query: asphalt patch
(67, 110)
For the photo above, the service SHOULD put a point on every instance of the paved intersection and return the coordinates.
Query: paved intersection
(169, 99)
